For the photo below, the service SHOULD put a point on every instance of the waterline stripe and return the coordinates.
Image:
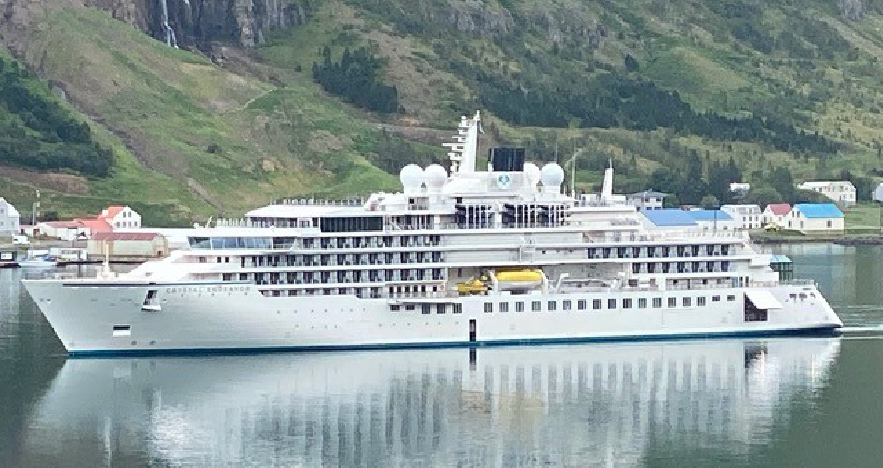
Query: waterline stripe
(817, 331)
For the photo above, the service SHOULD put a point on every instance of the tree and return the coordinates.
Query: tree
(763, 196)
(710, 202)
(665, 179)
(692, 185)
(631, 64)
(782, 182)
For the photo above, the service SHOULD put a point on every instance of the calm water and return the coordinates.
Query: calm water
(759, 402)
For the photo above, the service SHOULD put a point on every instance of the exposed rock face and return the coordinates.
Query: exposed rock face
(243, 22)
(478, 16)
(851, 9)
(196, 23)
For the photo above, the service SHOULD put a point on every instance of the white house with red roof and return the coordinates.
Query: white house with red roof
(121, 217)
(775, 213)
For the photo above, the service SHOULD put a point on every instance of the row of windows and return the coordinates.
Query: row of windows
(391, 258)
(598, 304)
(680, 267)
(341, 276)
(710, 250)
(373, 293)
(218, 243)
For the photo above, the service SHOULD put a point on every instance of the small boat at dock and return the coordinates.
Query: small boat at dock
(39, 261)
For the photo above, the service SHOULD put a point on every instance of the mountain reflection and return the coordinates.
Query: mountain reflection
(520, 406)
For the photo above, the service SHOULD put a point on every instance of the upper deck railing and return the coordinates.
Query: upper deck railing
(356, 201)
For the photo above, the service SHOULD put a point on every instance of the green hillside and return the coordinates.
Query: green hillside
(671, 91)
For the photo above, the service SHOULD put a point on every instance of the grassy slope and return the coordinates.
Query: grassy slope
(161, 109)
(170, 106)
(687, 46)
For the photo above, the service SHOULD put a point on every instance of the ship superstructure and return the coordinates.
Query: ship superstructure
(501, 255)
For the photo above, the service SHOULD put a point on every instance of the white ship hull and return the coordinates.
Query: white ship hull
(94, 317)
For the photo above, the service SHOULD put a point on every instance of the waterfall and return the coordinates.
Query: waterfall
(167, 29)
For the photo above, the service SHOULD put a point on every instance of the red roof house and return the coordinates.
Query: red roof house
(779, 209)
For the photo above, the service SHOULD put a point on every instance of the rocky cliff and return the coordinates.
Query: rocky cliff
(195, 23)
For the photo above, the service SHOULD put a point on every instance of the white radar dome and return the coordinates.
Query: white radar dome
(412, 177)
(436, 176)
(532, 174)
(552, 175)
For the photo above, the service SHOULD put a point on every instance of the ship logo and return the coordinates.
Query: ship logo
(504, 181)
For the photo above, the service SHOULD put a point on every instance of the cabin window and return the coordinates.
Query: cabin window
(642, 303)
(731, 298)
(581, 304)
(427, 308)
(519, 307)
(611, 303)
(672, 302)
(488, 307)
(565, 305)
(657, 302)
(536, 306)
(504, 307)
(553, 305)
(626, 303)
(122, 331)
(394, 307)
(439, 308)
(715, 298)
(687, 302)
(596, 304)
(458, 309)
(700, 301)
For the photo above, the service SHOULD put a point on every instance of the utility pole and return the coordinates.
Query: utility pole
(35, 208)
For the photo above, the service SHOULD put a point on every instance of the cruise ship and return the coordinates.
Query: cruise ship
(464, 257)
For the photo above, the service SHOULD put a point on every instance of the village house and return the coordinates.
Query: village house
(816, 218)
(678, 219)
(10, 219)
(776, 214)
(646, 200)
(747, 217)
(740, 189)
(121, 217)
(713, 220)
(841, 191)
(127, 245)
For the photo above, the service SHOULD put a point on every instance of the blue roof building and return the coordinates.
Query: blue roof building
(669, 217)
(710, 215)
(816, 218)
(819, 210)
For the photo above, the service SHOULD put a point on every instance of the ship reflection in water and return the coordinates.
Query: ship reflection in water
(521, 406)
